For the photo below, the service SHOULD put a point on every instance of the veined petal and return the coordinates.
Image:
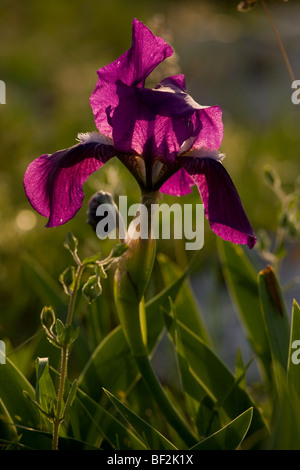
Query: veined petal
(169, 98)
(178, 184)
(222, 204)
(159, 121)
(132, 68)
(138, 129)
(209, 122)
(53, 183)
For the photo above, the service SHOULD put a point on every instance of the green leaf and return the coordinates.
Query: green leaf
(240, 370)
(285, 424)
(219, 383)
(8, 430)
(101, 423)
(65, 335)
(60, 328)
(230, 436)
(118, 250)
(241, 280)
(143, 429)
(13, 384)
(111, 364)
(195, 394)
(32, 439)
(187, 309)
(161, 303)
(45, 391)
(92, 259)
(71, 397)
(47, 288)
(275, 316)
(294, 349)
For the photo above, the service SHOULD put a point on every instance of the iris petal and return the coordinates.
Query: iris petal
(138, 129)
(209, 122)
(53, 183)
(222, 204)
(132, 68)
(178, 185)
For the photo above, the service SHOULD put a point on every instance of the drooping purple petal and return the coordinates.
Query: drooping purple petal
(53, 183)
(132, 68)
(222, 204)
(178, 185)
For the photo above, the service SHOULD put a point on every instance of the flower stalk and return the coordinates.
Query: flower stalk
(280, 43)
(58, 418)
(132, 277)
(131, 280)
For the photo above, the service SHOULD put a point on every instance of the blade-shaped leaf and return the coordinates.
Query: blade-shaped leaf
(230, 436)
(32, 439)
(46, 287)
(71, 397)
(275, 316)
(219, 383)
(241, 280)
(193, 390)
(285, 426)
(187, 309)
(8, 430)
(111, 364)
(294, 349)
(102, 424)
(13, 384)
(44, 390)
(143, 429)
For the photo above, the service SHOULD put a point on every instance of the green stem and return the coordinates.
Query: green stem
(60, 395)
(64, 363)
(131, 280)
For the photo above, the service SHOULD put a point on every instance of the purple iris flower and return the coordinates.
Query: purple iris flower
(167, 140)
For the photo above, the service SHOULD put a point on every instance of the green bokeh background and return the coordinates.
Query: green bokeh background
(49, 54)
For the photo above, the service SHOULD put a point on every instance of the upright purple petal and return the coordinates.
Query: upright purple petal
(138, 129)
(157, 122)
(132, 68)
(222, 204)
(205, 126)
(169, 98)
(53, 183)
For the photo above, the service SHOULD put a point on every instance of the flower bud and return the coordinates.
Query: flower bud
(47, 317)
(110, 212)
